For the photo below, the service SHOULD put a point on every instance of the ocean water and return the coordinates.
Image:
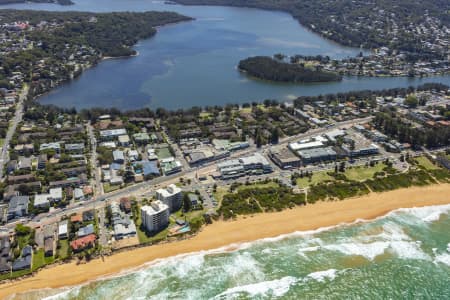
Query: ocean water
(403, 255)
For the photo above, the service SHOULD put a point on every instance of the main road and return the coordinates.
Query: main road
(4, 156)
(101, 201)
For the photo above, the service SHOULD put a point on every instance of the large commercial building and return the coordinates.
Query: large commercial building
(250, 165)
(284, 158)
(315, 142)
(171, 196)
(317, 155)
(155, 216)
(371, 149)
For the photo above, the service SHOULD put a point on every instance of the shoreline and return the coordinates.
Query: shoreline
(225, 235)
(119, 57)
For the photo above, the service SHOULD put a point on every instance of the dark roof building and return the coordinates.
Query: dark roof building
(24, 262)
(18, 207)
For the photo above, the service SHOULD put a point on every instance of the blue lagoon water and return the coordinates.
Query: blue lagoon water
(194, 63)
(403, 255)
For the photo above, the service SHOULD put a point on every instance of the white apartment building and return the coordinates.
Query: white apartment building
(171, 196)
(155, 216)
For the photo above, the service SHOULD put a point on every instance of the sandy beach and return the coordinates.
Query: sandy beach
(246, 229)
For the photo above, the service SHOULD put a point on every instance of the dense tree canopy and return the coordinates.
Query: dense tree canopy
(267, 68)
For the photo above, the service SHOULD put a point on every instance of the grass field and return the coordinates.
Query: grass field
(317, 177)
(426, 163)
(363, 173)
(163, 153)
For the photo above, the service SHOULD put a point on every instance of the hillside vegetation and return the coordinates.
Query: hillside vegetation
(408, 25)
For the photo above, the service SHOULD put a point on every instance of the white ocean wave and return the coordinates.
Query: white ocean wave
(64, 293)
(426, 213)
(408, 250)
(392, 239)
(275, 288)
(322, 275)
(442, 258)
(309, 249)
(367, 250)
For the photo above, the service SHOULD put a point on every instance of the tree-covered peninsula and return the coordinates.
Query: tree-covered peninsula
(46, 48)
(267, 68)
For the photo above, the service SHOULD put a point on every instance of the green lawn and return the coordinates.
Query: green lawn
(223, 190)
(144, 239)
(110, 188)
(39, 260)
(189, 215)
(220, 192)
(426, 163)
(163, 153)
(205, 115)
(15, 274)
(317, 177)
(363, 173)
(63, 251)
(257, 186)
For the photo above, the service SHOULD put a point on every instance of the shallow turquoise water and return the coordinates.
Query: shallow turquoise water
(404, 255)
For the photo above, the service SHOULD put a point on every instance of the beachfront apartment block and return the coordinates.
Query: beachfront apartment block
(155, 216)
(171, 196)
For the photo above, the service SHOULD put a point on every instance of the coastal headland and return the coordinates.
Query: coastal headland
(227, 235)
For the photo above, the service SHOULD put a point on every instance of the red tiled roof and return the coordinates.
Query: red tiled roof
(83, 242)
(76, 218)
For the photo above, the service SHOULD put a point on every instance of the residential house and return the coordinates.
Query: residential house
(77, 148)
(63, 229)
(86, 230)
(42, 161)
(18, 207)
(24, 261)
(83, 243)
(124, 140)
(118, 156)
(24, 163)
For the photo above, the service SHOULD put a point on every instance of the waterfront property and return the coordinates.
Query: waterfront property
(171, 196)
(155, 216)
(83, 243)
